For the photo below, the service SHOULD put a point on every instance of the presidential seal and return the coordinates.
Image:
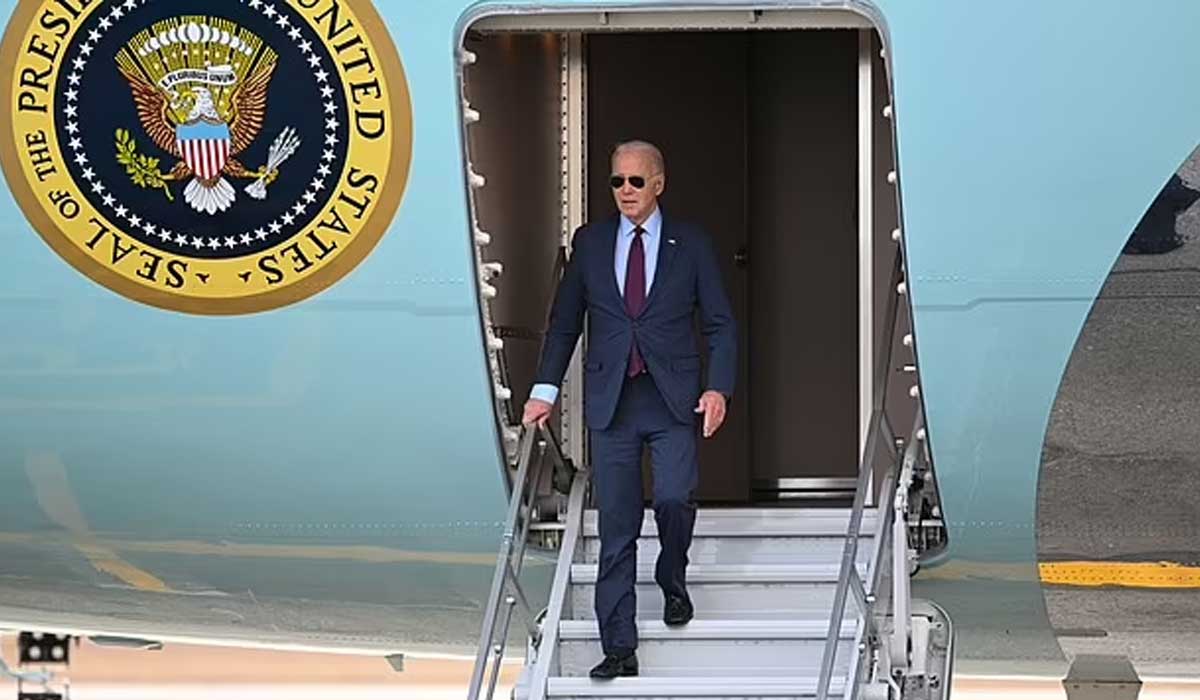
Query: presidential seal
(206, 156)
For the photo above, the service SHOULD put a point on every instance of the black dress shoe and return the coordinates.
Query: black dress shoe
(677, 610)
(616, 664)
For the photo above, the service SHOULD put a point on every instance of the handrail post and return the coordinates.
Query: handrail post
(487, 634)
(901, 587)
(506, 593)
(506, 542)
(849, 580)
(558, 590)
(849, 555)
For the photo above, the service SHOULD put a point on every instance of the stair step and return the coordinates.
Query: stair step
(733, 688)
(712, 658)
(713, 647)
(728, 601)
(746, 550)
(814, 627)
(755, 522)
(814, 572)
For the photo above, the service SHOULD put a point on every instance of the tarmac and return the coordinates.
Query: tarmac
(1121, 463)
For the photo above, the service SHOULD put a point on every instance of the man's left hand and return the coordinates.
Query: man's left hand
(712, 405)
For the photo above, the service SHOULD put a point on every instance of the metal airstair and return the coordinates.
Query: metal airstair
(780, 613)
(791, 602)
(763, 582)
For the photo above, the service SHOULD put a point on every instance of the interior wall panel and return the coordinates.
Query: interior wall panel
(804, 254)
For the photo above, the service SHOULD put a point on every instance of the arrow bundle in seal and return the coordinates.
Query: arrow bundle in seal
(284, 146)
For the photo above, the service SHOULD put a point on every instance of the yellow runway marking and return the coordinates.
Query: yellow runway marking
(48, 475)
(1149, 574)
(1079, 574)
(103, 554)
(109, 562)
(105, 550)
(359, 553)
(106, 560)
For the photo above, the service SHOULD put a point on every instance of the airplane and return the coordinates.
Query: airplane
(275, 274)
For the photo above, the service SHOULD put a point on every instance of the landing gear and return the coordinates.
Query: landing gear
(44, 650)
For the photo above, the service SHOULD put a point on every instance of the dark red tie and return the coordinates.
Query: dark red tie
(635, 294)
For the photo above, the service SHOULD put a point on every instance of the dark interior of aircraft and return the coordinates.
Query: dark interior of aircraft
(761, 135)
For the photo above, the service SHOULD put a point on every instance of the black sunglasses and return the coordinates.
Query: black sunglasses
(617, 181)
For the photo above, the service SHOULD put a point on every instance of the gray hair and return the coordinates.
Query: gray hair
(656, 156)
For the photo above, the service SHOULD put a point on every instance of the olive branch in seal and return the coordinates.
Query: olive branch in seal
(142, 169)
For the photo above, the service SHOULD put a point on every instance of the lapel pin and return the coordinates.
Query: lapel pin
(671, 241)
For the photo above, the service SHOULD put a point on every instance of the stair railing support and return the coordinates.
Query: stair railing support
(894, 525)
(849, 579)
(901, 638)
(506, 593)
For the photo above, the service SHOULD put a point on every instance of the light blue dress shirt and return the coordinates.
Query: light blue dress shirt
(650, 241)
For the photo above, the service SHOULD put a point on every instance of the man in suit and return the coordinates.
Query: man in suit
(640, 276)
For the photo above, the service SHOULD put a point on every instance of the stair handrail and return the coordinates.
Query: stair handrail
(849, 580)
(506, 592)
(878, 427)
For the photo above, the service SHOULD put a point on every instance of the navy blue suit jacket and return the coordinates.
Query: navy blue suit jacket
(686, 279)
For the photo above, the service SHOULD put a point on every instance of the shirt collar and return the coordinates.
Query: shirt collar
(652, 225)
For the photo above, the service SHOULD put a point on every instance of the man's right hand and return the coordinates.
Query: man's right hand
(536, 411)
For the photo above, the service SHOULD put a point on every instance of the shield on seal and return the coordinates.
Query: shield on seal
(204, 147)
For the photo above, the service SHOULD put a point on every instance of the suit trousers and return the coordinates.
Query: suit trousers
(642, 419)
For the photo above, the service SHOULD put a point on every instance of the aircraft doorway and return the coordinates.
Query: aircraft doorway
(777, 145)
